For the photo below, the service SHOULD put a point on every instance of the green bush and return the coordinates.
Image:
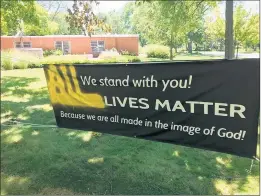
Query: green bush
(52, 52)
(68, 59)
(157, 51)
(14, 59)
(133, 59)
(20, 64)
(127, 53)
(53, 59)
(6, 61)
(58, 52)
(109, 54)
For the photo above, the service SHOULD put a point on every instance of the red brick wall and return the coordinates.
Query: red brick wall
(79, 44)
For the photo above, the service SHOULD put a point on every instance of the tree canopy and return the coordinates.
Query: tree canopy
(82, 17)
(169, 22)
(45, 25)
(15, 13)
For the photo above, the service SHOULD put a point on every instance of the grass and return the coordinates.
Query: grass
(42, 160)
(182, 58)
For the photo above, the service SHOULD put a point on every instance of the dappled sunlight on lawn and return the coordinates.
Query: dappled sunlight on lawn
(96, 160)
(11, 139)
(35, 133)
(23, 99)
(234, 187)
(224, 187)
(57, 191)
(44, 107)
(86, 137)
(37, 85)
(6, 116)
(13, 184)
(83, 135)
(224, 161)
(72, 133)
(230, 174)
(176, 153)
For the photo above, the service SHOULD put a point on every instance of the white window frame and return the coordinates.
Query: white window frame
(30, 44)
(97, 45)
(69, 43)
(22, 44)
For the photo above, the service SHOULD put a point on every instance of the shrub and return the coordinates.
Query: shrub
(109, 53)
(6, 61)
(133, 59)
(157, 51)
(58, 52)
(53, 59)
(53, 52)
(14, 59)
(113, 50)
(68, 59)
(20, 64)
(47, 52)
(125, 52)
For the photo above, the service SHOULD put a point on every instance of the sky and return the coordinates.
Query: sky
(106, 6)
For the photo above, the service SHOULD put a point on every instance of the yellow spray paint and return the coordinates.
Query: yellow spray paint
(64, 91)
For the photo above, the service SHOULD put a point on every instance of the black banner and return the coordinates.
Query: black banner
(212, 105)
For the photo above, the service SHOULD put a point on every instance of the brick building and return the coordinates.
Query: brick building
(74, 44)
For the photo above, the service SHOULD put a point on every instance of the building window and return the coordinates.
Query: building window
(97, 46)
(27, 44)
(18, 45)
(63, 46)
(23, 44)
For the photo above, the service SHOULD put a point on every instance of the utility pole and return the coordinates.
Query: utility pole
(229, 39)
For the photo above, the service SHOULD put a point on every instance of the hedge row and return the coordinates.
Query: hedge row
(21, 60)
(157, 51)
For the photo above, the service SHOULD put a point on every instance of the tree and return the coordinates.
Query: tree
(44, 27)
(114, 20)
(197, 37)
(215, 30)
(246, 27)
(168, 22)
(127, 15)
(253, 36)
(82, 17)
(63, 25)
(121, 22)
(15, 13)
(54, 8)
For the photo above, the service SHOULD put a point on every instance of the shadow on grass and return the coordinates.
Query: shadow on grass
(42, 160)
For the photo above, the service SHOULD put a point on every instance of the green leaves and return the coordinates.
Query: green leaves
(246, 27)
(169, 22)
(44, 27)
(16, 12)
(82, 17)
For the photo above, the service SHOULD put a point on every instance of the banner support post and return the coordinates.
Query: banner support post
(229, 39)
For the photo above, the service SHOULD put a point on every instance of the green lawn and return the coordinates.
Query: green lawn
(182, 57)
(41, 160)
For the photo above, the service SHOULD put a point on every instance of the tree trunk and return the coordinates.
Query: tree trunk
(196, 47)
(170, 53)
(176, 49)
(220, 46)
(190, 47)
(237, 50)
